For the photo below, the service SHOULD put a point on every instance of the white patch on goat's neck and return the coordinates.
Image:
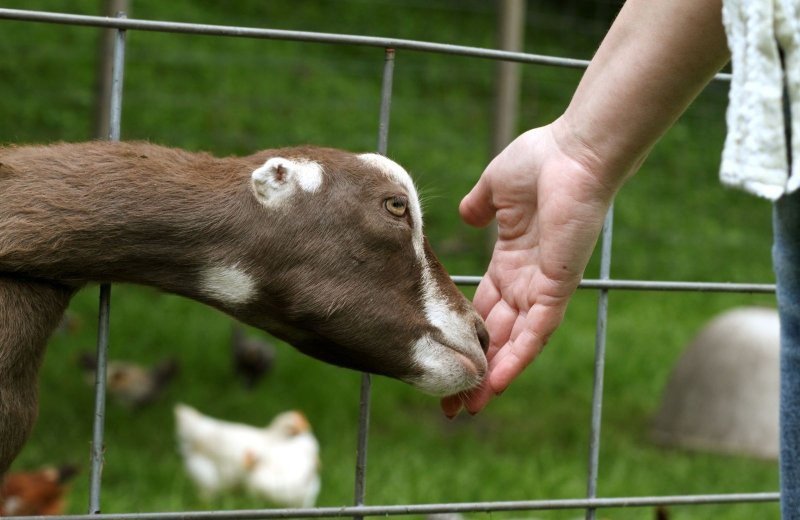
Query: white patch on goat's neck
(228, 284)
(279, 178)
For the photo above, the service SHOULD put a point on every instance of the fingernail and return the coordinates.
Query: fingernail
(452, 415)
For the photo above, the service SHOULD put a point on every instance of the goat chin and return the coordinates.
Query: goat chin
(446, 370)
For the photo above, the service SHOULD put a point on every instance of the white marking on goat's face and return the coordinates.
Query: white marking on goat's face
(279, 178)
(446, 371)
(230, 285)
(399, 175)
(454, 360)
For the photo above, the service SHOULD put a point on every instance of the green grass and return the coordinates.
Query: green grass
(672, 222)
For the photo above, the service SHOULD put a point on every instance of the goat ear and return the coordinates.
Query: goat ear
(279, 178)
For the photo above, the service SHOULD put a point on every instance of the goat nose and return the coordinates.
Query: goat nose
(483, 334)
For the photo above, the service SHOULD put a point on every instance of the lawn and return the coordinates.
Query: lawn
(228, 96)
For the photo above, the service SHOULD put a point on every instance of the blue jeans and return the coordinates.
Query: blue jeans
(786, 260)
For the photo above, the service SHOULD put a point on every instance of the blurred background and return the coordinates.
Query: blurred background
(234, 96)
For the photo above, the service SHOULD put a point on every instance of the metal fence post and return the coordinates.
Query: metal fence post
(104, 69)
(599, 362)
(366, 380)
(98, 447)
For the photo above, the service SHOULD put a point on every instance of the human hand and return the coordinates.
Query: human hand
(550, 208)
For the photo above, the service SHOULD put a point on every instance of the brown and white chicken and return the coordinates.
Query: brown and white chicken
(278, 463)
(35, 493)
(131, 384)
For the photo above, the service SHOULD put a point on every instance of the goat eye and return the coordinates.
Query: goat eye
(396, 205)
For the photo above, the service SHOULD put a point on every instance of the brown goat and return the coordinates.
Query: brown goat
(322, 248)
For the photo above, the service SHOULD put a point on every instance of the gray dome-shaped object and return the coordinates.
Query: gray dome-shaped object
(722, 395)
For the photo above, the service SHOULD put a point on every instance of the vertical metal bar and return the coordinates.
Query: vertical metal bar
(510, 36)
(366, 380)
(105, 62)
(117, 74)
(98, 448)
(363, 437)
(599, 362)
(386, 102)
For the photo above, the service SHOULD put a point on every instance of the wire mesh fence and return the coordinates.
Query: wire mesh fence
(605, 284)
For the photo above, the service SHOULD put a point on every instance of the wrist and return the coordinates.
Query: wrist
(609, 163)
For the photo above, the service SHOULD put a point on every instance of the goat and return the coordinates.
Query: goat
(320, 247)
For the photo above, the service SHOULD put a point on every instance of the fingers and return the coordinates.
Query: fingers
(512, 360)
(506, 368)
(451, 405)
(477, 399)
(509, 360)
(524, 337)
(474, 401)
(476, 209)
(528, 338)
(500, 324)
(486, 296)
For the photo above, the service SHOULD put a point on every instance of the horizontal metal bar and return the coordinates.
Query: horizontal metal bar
(279, 34)
(646, 285)
(421, 509)
(642, 285)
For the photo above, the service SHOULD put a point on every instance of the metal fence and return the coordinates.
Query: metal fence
(603, 285)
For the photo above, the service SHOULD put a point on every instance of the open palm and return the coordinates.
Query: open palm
(549, 209)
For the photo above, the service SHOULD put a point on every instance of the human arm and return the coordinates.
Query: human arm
(551, 187)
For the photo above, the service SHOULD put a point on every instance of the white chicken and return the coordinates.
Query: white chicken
(278, 463)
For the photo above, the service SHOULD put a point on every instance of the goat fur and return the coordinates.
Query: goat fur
(323, 265)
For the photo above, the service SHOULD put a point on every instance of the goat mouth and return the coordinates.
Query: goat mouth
(471, 355)
(444, 369)
(477, 368)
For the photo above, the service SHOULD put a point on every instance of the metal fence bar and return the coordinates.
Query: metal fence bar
(647, 285)
(98, 448)
(599, 363)
(386, 101)
(425, 509)
(117, 74)
(642, 285)
(305, 36)
(365, 399)
(366, 379)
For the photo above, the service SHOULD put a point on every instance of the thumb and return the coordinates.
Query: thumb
(476, 208)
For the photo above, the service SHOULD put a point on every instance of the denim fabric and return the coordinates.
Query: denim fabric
(786, 259)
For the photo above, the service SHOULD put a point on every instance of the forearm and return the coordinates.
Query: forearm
(655, 59)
